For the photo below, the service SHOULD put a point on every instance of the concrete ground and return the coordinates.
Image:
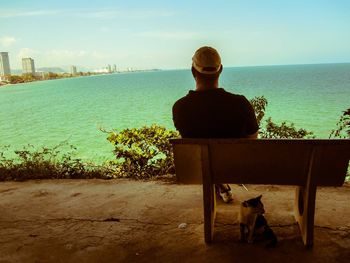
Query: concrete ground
(134, 221)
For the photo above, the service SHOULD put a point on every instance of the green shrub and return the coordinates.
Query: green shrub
(283, 131)
(144, 152)
(48, 163)
(343, 126)
(273, 130)
(343, 131)
(259, 105)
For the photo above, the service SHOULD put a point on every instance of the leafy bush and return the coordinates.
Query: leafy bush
(144, 152)
(283, 131)
(273, 130)
(259, 105)
(343, 131)
(343, 126)
(48, 163)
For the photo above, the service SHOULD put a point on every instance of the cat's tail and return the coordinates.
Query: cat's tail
(270, 235)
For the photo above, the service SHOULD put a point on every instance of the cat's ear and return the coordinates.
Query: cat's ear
(259, 197)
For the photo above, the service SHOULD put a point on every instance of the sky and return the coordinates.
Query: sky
(164, 34)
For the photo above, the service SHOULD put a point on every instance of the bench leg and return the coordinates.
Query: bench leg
(304, 209)
(304, 206)
(209, 200)
(209, 205)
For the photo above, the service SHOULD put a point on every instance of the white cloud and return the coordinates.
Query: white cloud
(59, 54)
(105, 29)
(59, 57)
(27, 52)
(65, 54)
(21, 13)
(106, 14)
(88, 13)
(170, 35)
(7, 41)
(125, 14)
(98, 55)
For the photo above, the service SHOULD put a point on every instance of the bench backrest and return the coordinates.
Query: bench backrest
(262, 161)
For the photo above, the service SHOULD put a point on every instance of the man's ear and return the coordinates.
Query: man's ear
(194, 72)
(220, 69)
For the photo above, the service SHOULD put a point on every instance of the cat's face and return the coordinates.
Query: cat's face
(255, 205)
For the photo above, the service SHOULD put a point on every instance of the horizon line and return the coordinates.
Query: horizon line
(189, 67)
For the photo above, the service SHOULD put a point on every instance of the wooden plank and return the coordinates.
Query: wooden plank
(260, 163)
(188, 165)
(208, 197)
(282, 162)
(261, 141)
(333, 162)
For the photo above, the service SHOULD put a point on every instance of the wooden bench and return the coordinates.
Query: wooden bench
(303, 163)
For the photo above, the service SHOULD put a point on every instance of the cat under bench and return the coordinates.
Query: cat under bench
(305, 163)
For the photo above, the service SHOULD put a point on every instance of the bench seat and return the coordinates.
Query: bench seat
(305, 163)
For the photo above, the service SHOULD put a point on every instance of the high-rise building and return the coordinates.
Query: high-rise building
(73, 70)
(114, 68)
(4, 64)
(28, 66)
(109, 69)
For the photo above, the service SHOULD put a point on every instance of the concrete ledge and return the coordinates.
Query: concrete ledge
(130, 221)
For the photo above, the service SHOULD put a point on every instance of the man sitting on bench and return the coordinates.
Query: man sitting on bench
(210, 111)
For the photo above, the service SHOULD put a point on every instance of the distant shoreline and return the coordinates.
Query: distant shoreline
(88, 74)
(174, 69)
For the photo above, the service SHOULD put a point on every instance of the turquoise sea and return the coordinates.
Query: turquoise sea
(48, 112)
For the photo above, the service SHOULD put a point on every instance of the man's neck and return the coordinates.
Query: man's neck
(204, 86)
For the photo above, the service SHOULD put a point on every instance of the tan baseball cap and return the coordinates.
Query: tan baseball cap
(206, 60)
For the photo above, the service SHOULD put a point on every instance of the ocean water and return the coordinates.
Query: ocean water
(48, 112)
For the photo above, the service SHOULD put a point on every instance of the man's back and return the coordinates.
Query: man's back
(214, 113)
(211, 112)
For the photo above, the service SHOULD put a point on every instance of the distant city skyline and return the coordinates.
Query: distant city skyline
(73, 70)
(5, 68)
(28, 66)
(164, 34)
